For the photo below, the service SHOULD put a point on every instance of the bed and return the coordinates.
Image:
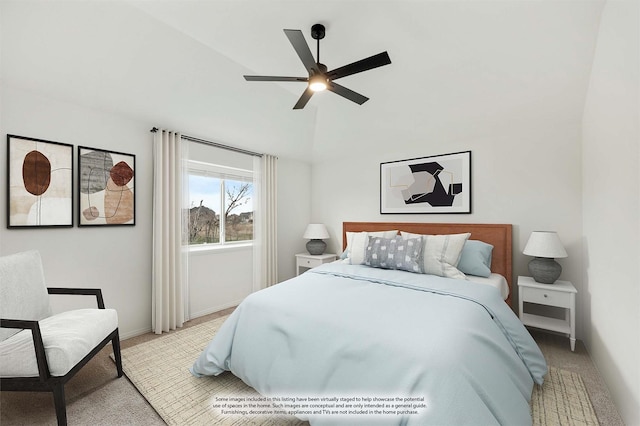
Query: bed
(387, 346)
(498, 235)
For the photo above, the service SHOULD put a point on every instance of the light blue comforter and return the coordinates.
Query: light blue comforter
(346, 330)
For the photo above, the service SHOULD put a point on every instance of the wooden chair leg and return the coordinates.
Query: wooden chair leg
(115, 342)
(60, 403)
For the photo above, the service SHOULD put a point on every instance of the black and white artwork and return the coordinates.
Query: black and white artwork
(435, 184)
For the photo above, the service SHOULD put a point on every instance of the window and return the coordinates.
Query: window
(220, 204)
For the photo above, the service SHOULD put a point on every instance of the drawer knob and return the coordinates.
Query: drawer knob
(545, 295)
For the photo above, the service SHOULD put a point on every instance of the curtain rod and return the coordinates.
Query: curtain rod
(215, 144)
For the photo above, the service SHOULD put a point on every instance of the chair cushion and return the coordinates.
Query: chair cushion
(68, 337)
(23, 293)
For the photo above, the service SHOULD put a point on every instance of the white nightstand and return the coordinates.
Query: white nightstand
(561, 294)
(308, 261)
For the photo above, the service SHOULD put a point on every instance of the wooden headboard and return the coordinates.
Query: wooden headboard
(498, 235)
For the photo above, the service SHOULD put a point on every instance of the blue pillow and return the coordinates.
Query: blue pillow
(475, 258)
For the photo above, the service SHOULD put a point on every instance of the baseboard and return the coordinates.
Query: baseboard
(134, 333)
(141, 331)
(218, 308)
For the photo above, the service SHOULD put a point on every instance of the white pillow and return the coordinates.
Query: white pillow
(442, 253)
(357, 244)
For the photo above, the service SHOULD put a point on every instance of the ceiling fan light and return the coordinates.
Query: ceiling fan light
(317, 83)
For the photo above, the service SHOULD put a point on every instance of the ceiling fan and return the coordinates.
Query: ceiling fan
(319, 78)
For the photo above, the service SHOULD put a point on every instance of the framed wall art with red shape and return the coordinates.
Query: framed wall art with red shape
(40, 183)
(106, 188)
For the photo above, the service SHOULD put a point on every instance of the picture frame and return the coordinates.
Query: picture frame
(39, 183)
(106, 188)
(427, 185)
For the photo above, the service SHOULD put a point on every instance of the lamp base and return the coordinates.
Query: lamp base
(316, 247)
(544, 270)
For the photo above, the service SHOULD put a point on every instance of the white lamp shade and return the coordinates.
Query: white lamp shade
(316, 231)
(544, 244)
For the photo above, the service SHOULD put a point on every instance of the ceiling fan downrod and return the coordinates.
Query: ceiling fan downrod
(317, 33)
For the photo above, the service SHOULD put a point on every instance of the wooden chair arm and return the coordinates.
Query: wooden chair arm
(34, 326)
(80, 291)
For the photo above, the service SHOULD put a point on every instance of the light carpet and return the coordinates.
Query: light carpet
(159, 369)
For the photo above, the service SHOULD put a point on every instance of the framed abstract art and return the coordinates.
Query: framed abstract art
(106, 187)
(436, 184)
(40, 183)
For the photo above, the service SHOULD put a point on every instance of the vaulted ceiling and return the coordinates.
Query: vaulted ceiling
(459, 68)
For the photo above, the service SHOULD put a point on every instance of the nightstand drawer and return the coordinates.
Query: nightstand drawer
(546, 297)
(309, 263)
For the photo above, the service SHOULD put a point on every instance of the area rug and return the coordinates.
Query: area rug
(562, 400)
(159, 369)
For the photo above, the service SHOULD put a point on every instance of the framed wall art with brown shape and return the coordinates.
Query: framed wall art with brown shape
(106, 187)
(39, 183)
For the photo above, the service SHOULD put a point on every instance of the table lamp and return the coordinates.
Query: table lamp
(545, 246)
(315, 233)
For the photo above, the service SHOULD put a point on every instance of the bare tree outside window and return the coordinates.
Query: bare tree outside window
(238, 227)
(204, 225)
(204, 222)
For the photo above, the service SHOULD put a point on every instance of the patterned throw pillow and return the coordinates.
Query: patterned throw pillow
(357, 242)
(394, 253)
(441, 253)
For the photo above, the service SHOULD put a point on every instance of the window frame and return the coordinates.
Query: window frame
(223, 173)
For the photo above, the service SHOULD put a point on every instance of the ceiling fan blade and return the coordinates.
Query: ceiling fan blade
(306, 95)
(366, 64)
(347, 93)
(302, 49)
(272, 78)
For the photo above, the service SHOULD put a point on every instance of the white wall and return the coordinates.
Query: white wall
(54, 88)
(294, 213)
(528, 175)
(611, 207)
(506, 80)
(222, 278)
(116, 258)
(114, 57)
(219, 279)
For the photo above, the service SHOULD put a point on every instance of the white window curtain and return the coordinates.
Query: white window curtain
(265, 231)
(170, 231)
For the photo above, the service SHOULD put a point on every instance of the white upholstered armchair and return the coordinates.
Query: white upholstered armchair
(40, 352)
